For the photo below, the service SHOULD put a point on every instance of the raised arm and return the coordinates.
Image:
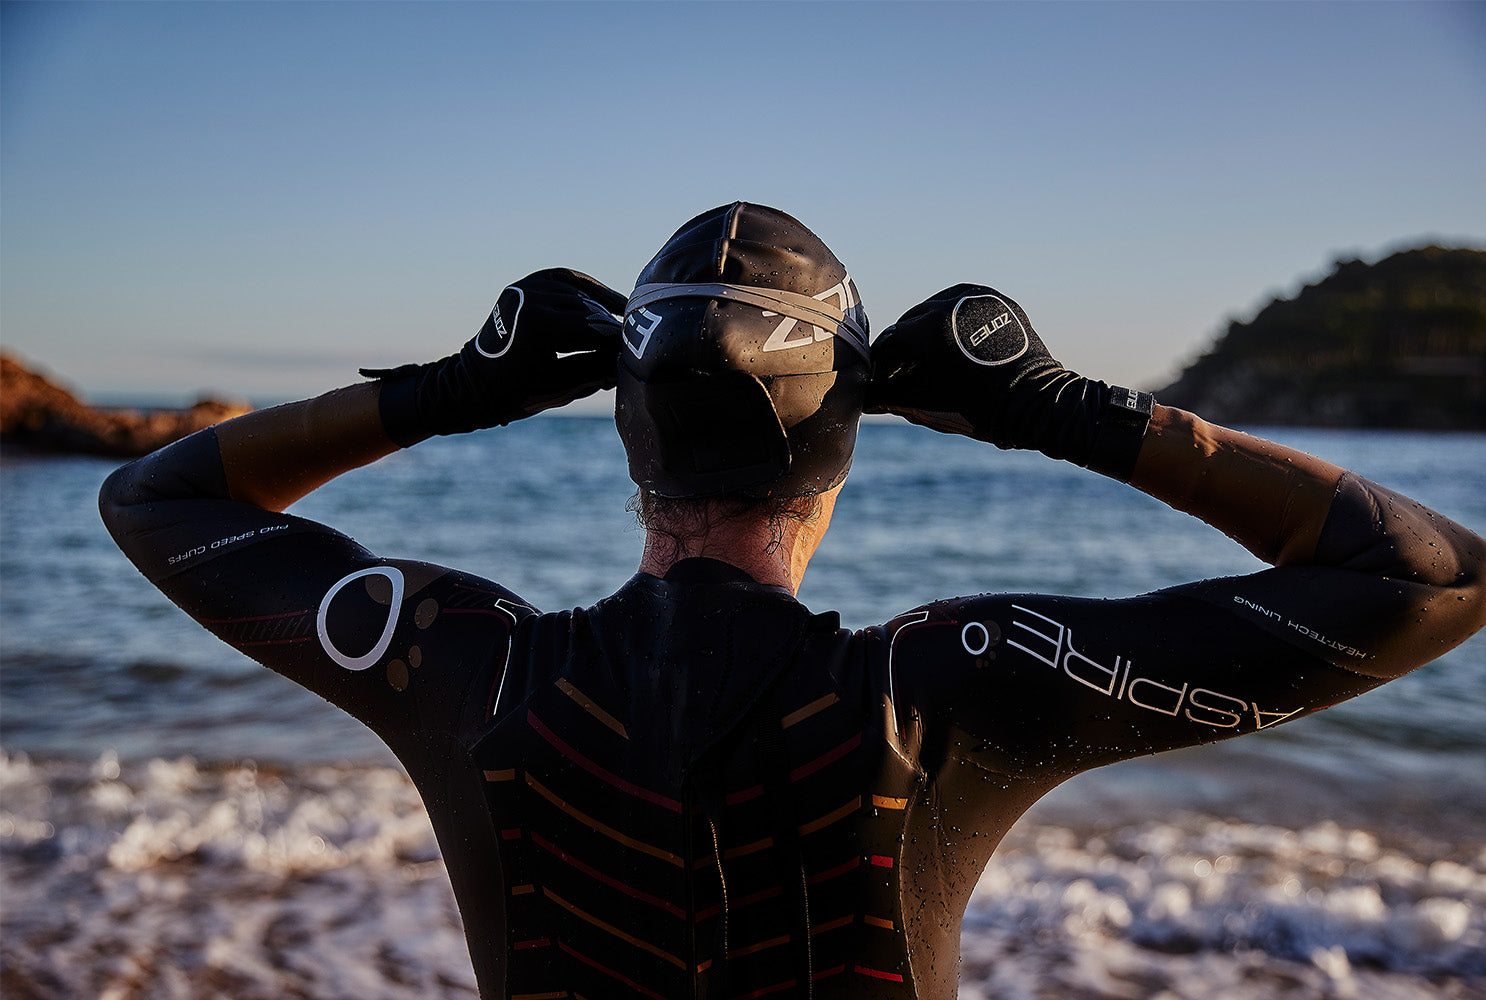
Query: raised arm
(566, 350)
(1368, 584)
(203, 518)
(968, 361)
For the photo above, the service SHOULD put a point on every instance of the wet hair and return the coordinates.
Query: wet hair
(685, 519)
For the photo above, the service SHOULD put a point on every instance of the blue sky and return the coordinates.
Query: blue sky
(255, 199)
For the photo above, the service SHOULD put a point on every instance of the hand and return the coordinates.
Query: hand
(551, 338)
(967, 361)
(957, 361)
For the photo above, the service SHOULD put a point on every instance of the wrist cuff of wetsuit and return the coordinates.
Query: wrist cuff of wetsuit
(1122, 425)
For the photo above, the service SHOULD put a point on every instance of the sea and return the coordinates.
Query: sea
(178, 822)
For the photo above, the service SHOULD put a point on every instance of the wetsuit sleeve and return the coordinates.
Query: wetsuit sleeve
(404, 646)
(1370, 586)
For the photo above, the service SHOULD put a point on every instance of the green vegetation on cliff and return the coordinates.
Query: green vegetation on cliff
(1399, 343)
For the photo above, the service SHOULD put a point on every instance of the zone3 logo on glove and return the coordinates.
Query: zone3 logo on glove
(496, 336)
(995, 335)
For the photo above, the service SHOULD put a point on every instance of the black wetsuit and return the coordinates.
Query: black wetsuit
(697, 787)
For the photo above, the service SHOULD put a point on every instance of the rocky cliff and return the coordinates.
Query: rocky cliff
(39, 415)
(1399, 343)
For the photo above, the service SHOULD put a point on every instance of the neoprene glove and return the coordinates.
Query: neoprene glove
(551, 338)
(967, 361)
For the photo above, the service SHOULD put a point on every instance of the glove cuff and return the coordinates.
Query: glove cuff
(397, 404)
(1121, 428)
(1074, 419)
(440, 397)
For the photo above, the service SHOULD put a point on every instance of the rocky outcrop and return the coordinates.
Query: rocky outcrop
(1399, 343)
(39, 415)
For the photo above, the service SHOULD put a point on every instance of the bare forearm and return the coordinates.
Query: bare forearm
(274, 457)
(1271, 499)
(267, 459)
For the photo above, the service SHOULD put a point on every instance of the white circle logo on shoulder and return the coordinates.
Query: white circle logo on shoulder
(988, 330)
(495, 338)
(394, 577)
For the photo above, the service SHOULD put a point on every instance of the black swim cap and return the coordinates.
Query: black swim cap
(744, 365)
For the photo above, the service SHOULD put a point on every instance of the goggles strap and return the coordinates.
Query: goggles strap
(791, 304)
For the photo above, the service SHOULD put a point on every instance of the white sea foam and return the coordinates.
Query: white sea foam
(172, 880)
(1207, 908)
(169, 880)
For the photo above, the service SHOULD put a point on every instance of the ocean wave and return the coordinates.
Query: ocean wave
(1205, 907)
(173, 879)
